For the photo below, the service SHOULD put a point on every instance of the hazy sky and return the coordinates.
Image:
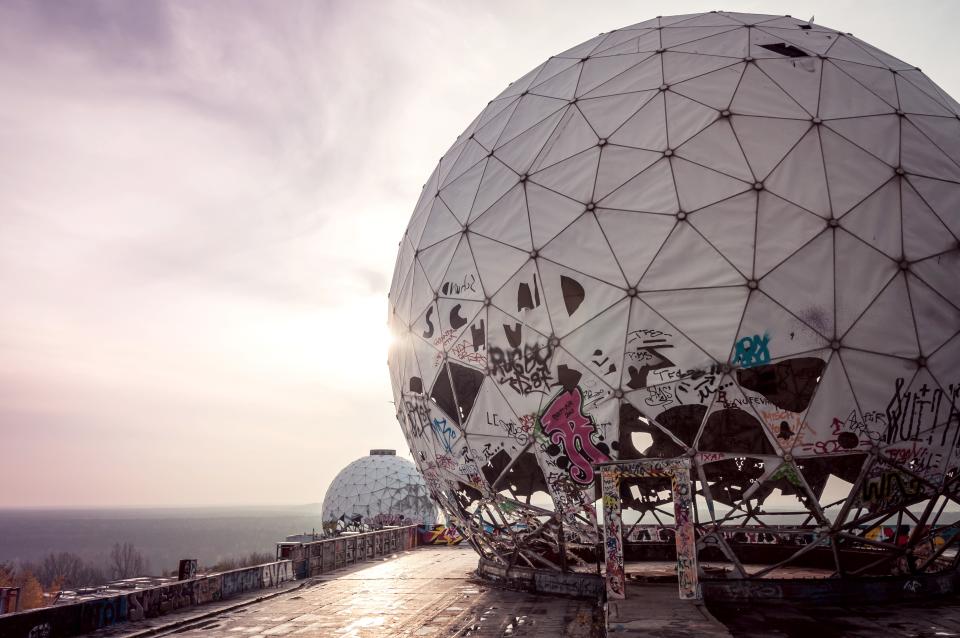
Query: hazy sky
(200, 204)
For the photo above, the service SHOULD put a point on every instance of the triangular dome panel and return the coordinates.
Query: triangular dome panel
(782, 228)
(716, 147)
(730, 227)
(499, 222)
(713, 332)
(635, 238)
(887, 325)
(672, 268)
(810, 270)
(583, 247)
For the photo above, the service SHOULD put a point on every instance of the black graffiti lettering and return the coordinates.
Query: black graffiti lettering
(428, 333)
(456, 321)
(417, 413)
(469, 282)
(600, 363)
(527, 300)
(513, 334)
(911, 413)
(650, 359)
(887, 485)
(416, 385)
(524, 369)
(478, 335)
(573, 293)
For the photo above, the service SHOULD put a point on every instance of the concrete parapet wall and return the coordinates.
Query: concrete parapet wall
(542, 581)
(318, 557)
(85, 616)
(876, 590)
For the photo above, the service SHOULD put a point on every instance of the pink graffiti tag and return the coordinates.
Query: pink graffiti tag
(568, 426)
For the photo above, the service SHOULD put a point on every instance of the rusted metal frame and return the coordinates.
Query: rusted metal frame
(803, 550)
(730, 515)
(494, 486)
(943, 506)
(755, 516)
(886, 558)
(558, 541)
(940, 550)
(780, 529)
(900, 519)
(503, 519)
(518, 554)
(869, 541)
(836, 557)
(854, 490)
(806, 513)
(653, 512)
(705, 489)
(542, 511)
(937, 553)
(561, 545)
(915, 536)
(879, 516)
(725, 548)
(664, 512)
(821, 517)
(910, 515)
(553, 566)
(898, 466)
(480, 543)
(633, 527)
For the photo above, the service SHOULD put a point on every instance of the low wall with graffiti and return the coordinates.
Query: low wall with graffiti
(318, 557)
(542, 581)
(440, 535)
(85, 616)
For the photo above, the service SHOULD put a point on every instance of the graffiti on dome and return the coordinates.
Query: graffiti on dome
(645, 354)
(446, 435)
(522, 367)
(923, 413)
(752, 351)
(565, 424)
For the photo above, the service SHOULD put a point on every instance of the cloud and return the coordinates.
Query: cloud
(200, 206)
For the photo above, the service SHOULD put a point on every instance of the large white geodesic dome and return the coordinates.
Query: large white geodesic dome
(724, 236)
(381, 489)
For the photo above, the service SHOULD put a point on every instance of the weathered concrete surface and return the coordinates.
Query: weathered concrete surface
(432, 592)
(769, 619)
(429, 591)
(655, 610)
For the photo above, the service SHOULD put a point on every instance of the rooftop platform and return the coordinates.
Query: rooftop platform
(432, 591)
(429, 591)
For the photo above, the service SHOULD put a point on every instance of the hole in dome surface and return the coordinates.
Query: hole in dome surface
(785, 49)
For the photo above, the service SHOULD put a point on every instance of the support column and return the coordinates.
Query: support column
(687, 571)
(612, 533)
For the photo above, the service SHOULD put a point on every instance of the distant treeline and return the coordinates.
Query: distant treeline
(41, 581)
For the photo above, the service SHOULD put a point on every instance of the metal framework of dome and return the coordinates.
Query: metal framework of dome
(726, 238)
(381, 489)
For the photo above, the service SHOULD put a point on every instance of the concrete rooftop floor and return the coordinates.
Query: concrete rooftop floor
(432, 592)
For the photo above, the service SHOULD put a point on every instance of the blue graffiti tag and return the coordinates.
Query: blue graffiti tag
(445, 434)
(752, 351)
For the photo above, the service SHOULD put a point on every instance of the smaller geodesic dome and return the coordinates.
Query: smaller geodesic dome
(379, 489)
